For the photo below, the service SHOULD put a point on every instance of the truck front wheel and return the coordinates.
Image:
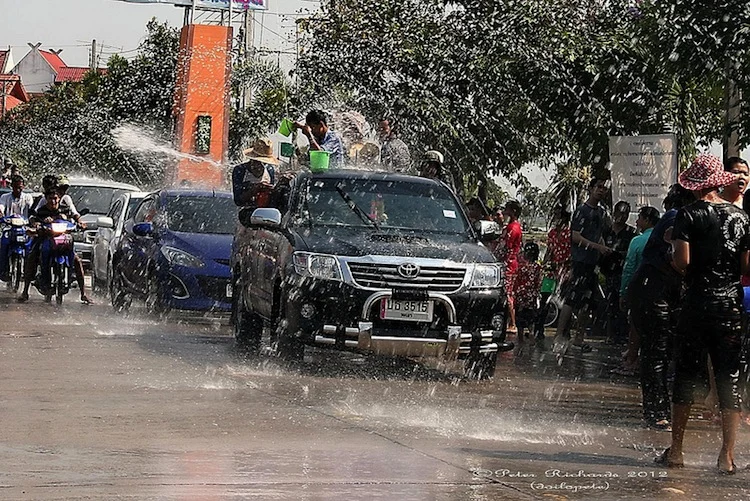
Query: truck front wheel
(247, 326)
(288, 346)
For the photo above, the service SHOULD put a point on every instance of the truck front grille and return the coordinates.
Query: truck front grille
(386, 276)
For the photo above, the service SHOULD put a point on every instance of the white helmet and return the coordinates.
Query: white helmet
(433, 156)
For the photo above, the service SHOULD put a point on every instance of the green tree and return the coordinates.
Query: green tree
(272, 100)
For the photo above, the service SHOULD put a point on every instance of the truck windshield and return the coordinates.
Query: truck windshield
(393, 204)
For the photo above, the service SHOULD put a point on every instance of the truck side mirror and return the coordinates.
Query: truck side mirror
(266, 217)
(487, 230)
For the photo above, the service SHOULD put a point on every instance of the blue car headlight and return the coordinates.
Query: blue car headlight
(181, 258)
(485, 276)
(312, 265)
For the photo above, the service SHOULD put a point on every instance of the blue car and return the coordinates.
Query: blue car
(174, 253)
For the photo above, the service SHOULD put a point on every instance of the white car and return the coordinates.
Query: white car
(97, 196)
(109, 233)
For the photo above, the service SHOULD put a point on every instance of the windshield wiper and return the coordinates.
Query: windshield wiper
(365, 217)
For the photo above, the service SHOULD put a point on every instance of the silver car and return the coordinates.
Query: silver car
(97, 196)
(109, 232)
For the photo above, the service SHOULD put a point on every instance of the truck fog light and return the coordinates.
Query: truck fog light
(307, 311)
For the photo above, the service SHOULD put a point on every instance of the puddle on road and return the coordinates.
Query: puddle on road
(481, 424)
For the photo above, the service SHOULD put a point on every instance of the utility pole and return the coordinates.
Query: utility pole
(249, 49)
(4, 101)
(92, 59)
(732, 106)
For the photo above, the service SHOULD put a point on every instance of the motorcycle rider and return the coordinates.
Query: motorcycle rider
(14, 203)
(49, 211)
(66, 202)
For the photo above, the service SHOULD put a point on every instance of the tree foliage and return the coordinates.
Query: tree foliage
(499, 84)
(69, 128)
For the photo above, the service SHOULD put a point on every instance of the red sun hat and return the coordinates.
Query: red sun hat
(705, 172)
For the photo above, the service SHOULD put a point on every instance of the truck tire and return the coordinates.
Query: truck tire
(247, 326)
(288, 347)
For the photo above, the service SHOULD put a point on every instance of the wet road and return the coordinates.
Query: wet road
(98, 406)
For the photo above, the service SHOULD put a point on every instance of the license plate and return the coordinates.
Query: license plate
(21, 238)
(407, 310)
(229, 290)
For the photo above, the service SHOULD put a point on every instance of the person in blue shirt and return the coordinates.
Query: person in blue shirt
(321, 137)
(647, 219)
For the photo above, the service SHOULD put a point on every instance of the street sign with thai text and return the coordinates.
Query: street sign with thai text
(643, 168)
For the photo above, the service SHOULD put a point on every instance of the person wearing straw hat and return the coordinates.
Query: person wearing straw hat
(711, 241)
(253, 179)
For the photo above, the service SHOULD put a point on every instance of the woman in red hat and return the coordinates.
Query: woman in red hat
(711, 241)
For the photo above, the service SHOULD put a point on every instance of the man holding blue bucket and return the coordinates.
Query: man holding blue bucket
(322, 138)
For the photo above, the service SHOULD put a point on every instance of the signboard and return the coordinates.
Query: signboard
(643, 169)
(237, 5)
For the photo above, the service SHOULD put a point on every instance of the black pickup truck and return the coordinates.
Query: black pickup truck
(369, 261)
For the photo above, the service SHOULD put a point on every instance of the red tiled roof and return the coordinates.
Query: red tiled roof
(53, 60)
(3, 57)
(11, 102)
(14, 87)
(74, 74)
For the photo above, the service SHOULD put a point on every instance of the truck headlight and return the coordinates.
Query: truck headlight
(181, 258)
(485, 276)
(317, 266)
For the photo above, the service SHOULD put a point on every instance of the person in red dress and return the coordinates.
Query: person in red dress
(556, 262)
(507, 252)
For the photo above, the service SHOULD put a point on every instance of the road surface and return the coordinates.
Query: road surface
(99, 406)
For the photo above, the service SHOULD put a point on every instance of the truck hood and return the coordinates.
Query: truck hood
(362, 242)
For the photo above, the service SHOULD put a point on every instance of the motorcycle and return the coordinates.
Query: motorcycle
(14, 232)
(57, 257)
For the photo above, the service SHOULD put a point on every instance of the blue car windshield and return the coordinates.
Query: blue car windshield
(393, 204)
(201, 214)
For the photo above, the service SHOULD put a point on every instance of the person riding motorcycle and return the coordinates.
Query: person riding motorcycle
(61, 183)
(50, 208)
(16, 202)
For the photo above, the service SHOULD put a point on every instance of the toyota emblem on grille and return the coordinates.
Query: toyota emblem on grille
(408, 270)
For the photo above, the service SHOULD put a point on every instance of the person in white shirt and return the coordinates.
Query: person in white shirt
(15, 203)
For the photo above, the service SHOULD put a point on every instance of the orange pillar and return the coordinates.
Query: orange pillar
(202, 104)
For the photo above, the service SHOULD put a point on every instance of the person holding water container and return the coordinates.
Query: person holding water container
(326, 147)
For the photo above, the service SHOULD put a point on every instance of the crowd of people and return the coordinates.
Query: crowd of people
(670, 288)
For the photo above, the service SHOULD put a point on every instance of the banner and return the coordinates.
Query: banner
(237, 5)
(643, 169)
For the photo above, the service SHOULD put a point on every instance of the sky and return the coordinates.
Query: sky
(119, 27)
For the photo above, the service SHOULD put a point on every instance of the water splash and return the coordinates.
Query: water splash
(141, 141)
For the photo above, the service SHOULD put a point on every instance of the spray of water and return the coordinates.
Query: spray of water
(140, 141)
